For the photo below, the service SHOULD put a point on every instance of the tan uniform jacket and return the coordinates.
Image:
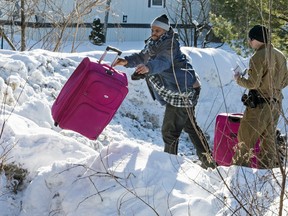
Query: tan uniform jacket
(267, 72)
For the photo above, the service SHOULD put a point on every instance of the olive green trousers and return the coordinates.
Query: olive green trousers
(258, 123)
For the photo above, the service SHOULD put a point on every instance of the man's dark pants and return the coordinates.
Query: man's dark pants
(177, 119)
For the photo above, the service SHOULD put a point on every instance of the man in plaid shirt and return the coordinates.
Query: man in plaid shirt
(177, 99)
(173, 82)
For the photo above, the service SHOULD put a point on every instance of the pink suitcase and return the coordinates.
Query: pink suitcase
(90, 97)
(225, 139)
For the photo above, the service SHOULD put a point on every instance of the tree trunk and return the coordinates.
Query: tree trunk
(23, 27)
(105, 26)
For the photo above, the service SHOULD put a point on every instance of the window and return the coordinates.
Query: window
(156, 3)
(124, 20)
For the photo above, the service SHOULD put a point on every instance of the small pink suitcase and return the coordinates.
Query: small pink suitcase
(225, 139)
(90, 97)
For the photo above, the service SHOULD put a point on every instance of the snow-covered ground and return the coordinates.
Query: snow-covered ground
(124, 171)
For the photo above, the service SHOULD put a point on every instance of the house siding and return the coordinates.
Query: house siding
(139, 16)
(136, 27)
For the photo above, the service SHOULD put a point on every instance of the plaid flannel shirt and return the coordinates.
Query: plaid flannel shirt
(177, 99)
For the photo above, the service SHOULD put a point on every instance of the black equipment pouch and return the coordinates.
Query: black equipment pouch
(252, 99)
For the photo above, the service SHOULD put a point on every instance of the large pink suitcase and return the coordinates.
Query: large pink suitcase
(225, 139)
(90, 97)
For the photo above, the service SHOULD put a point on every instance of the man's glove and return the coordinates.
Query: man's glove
(137, 76)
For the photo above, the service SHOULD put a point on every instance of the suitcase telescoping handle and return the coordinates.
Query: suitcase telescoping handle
(114, 49)
(108, 48)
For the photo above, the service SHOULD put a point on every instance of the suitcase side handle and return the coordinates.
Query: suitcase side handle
(235, 117)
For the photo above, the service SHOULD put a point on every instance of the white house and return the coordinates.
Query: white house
(128, 20)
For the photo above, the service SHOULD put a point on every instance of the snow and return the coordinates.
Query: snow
(124, 171)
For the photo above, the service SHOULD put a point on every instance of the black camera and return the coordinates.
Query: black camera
(137, 76)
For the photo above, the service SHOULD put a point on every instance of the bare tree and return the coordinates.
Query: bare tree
(191, 19)
(67, 23)
(51, 22)
(23, 26)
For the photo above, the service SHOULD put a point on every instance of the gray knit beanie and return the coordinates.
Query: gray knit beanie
(162, 22)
